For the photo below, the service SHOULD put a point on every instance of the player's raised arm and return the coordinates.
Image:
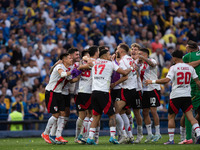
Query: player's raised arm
(58, 62)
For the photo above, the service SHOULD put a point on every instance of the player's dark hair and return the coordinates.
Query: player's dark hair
(103, 47)
(63, 55)
(84, 52)
(102, 52)
(92, 50)
(192, 44)
(177, 54)
(145, 50)
(72, 50)
(124, 47)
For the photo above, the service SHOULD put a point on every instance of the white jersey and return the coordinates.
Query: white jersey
(65, 88)
(85, 82)
(56, 82)
(101, 74)
(131, 82)
(139, 82)
(180, 75)
(149, 73)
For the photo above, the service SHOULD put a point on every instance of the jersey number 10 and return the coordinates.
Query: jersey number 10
(181, 76)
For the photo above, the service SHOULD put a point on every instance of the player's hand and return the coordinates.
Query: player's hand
(147, 82)
(113, 57)
(141, 57)
(85, 58)
(112, 85)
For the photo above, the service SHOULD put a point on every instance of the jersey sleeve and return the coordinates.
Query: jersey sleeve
(59, 66)
(115, 66)
(170, 74)
(194, 74)
(186, 58)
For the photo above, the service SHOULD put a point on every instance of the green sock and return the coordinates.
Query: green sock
(188, 129)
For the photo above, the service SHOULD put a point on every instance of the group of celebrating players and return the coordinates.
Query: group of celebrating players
(114, 85)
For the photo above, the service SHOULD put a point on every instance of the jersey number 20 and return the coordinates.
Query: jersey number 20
(181, 76)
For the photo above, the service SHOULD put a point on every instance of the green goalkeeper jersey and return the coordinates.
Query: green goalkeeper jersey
(195, 92)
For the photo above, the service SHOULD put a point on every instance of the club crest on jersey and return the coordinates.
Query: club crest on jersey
(153, 101)
(56, 108)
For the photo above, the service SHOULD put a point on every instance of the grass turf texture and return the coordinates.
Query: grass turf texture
(40, 144)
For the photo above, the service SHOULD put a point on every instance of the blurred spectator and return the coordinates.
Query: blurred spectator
(38, 58)
(32, 71)
(18, 104)
(156, 45)
(15, 115)
(2, 105)
(165, 69)
(158, 56)
(130, 38)
(109, 40)
(171, 43)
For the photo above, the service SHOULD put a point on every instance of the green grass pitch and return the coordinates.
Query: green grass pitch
(39, 144)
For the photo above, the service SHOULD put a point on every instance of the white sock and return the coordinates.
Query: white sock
(91, 133)
(139, 130)
(149, 131)
(50, 123)
(97, 132)
(79, 124)
(65, 121)
(182, 132)
(53, 129)
(60, 124)
(171, 133)
(84, 126)
(131, 121)
(112, 131)
(196, 128)
(157, 130)
(120, 125)
(127, 125)
(88, 128)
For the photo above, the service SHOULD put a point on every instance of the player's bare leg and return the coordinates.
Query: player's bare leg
(156, 119)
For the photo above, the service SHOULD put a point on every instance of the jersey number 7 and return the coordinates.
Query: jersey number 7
(99, 66)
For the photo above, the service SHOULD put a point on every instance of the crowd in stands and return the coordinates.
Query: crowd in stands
(33, 33)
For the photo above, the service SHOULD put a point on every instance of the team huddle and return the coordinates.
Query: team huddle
(115, 85)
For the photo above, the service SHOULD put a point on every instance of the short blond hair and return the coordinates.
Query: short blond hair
(135, 45)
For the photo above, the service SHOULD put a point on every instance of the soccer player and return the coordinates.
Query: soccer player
(128, 92)
(134, 54)
(180, 74)
(54, 104)
(83, 99)
(101, 100)
(193, 59)
(94, 54)
(151, 94)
